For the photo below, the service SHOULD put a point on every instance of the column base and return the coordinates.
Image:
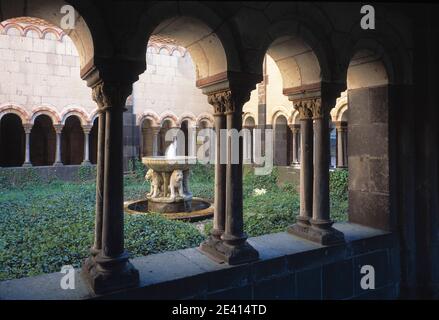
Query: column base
(109, 274)
(58, 164)
(27, 165)
(319, 232)
(221, 252)
(295, 165)
(86, 163)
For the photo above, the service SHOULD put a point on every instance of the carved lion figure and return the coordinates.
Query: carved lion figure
(176, 183)
(156, 180)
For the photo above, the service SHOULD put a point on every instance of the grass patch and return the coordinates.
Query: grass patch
(44, 226)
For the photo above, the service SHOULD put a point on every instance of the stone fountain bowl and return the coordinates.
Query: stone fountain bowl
(164, 164)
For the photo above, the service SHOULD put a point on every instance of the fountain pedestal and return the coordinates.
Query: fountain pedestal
(170, 194)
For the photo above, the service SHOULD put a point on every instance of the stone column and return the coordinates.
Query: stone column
(213, 246)
(302, 226)
(192, 148)
(322, 231)
(295, 129)
(58, 130)
(27, 130)
(86, 128)
(247, 157)
(155, 141)
(228, 241)
(342, 158)
(111, 269)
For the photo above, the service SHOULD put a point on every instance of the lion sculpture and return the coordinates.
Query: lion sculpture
(176, 183)
(156, 180)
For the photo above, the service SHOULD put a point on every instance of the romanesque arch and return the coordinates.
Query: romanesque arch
(12, 140)
(42, 140)
(72, 140)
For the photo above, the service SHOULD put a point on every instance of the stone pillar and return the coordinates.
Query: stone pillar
(213, 246)
(192, 148)
(155, 141)
(247, 149)
(295, 129)
(322, 231)
(27, 130)
(302, 226)
(58, 130)
(86, 129)
(231, 246)
(342, 157)
(110, 269)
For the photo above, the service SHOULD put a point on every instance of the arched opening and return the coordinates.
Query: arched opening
(72, 142)
(147, 138)
(93, 146)
(332, 144)
(248, 148)
(42, 141)
(12, 141)
(185, 129)
(368, 140)
(282, 142)
(163, 144)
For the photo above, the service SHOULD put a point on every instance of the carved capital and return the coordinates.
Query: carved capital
(304, 109)
(58, 128)
(221, 101)
(87, 128)
(109, 95)
(295, 128)
(27, 127)
(316, 108)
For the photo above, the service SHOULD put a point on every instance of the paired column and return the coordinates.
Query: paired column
(231, 246)
(87, 129)
(108, 268)
(58, 130)
(313, 222)
(301, 227)
(27, 130)
(342, 156)
(192, 139)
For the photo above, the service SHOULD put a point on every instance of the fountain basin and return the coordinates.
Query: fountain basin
(165, 164)
(201, 209)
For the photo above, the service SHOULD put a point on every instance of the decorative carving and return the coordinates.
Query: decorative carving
(316, 107)
(27, 127)
(176, 183)
(111, 95)
(221, 101)
(156, 180)
(87, 128)
(303, 107)
(58, 128)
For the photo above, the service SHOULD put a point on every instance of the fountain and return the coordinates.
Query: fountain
(169, 194)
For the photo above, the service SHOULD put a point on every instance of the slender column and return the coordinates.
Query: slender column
(58, 130)
(301, 228)
(322, 230)
(112, 270)
(155, 141)
(27, 131)
(246, 146)
(341, 128)
(86, 129)
(295, 132)
(192, 149)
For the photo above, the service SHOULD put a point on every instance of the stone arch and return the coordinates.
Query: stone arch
(32, 28)
(189, 117)
(207, 117)
(200, 30)
(301, 53)
(15, 109)
(247, 116)
(50, 112)
(279, 111)
(42, 139)
(169, 116)
(59, 36)
(49, 11)
(338, 113)
(282, 139)
(75, 111)
(93, 116)
(294, 118)
(149, 115)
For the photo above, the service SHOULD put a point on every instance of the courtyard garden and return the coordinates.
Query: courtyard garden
(47, 224)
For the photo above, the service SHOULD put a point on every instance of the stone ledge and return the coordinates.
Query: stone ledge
(190, 274)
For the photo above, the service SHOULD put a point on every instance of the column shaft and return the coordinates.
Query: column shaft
(58, 130)
(220, 179)
(27, 162)
(100, 179)
(341, 145)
